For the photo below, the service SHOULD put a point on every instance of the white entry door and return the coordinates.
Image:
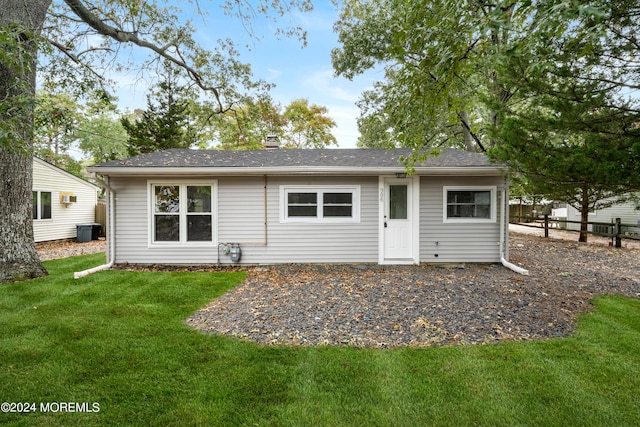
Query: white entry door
(398, 220)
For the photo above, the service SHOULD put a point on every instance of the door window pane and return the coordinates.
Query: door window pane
(397, 202)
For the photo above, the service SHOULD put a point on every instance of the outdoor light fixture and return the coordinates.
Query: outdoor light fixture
(401, 174)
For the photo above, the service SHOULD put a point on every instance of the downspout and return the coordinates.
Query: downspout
(503, 260)
(110, 233)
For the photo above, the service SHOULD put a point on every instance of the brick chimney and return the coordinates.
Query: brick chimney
(271, 142)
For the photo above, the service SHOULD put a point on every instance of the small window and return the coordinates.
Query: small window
(462, 204)
(41, 201)
(330, 204)
(302, 205)
(337, 205)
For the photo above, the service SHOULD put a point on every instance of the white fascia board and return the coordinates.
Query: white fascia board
(292, 170)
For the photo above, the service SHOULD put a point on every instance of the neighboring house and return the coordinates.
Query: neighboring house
(60, 201)
(627, 213)
(304, 206)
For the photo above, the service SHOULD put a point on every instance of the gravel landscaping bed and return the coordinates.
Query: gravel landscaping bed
(391, 306)
(66, 248)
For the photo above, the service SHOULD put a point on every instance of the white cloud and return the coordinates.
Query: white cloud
(337, 88)
(346, 130)
(273, 74)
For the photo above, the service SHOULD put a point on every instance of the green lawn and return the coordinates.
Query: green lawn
(119, 339)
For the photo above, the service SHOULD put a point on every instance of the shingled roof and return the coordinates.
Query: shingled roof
(290, 159)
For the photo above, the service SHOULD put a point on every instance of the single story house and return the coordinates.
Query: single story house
(61, 200)
(277, 206)
(627, 212)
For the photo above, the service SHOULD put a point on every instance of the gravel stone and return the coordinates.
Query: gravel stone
(393, 306)
(65, 248)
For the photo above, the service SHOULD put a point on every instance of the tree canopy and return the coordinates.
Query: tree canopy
(547, 86)
(168, 120)
(300, 125)
(78, 42)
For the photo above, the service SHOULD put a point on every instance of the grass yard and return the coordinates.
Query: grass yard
(118, 339)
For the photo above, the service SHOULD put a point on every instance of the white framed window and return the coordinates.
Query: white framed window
(182, 213)
(469, 204)
(330, 204)
(42, 204)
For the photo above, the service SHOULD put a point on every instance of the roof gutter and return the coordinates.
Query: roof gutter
(292, 170)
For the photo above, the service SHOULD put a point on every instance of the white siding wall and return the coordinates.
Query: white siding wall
(456, 242)
(62, 225)
(625, 211)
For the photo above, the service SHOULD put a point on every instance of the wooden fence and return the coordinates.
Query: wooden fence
(616, 229)
(101, 217)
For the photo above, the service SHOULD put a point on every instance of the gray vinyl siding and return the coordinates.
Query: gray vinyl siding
(456, 242)
(132, 227)
(240, 219)
(240, 214)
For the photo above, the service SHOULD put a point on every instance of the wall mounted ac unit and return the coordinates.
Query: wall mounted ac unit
(68, 198)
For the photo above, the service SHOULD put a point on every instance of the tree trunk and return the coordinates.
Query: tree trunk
(584, 218)
(18, 257)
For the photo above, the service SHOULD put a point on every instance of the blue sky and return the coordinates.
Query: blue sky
(297, 72)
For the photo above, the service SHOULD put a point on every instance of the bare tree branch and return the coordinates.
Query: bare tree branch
(103, 28)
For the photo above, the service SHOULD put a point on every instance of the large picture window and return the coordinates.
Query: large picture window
(182, 213)
(469, 204)
(320, 204)
(41, 204)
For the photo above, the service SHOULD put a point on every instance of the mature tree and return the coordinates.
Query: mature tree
(248, 126)
(575, 134)
(20, 25)
(168, 121)
(496, 76)
(308, 126)
(100, 134)
(102, 138)
(437, 65)
(300, 125)
(83, 39)
(56, 118)
(589, 171)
